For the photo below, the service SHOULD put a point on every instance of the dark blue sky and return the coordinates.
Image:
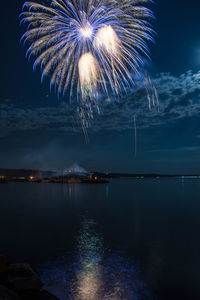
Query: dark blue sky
(35, 126)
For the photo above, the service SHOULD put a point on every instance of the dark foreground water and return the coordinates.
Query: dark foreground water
(130, 239)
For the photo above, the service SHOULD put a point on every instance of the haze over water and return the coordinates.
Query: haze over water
(141, 236)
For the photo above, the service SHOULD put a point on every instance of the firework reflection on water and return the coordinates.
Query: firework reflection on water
(88, 282)
(93, 273)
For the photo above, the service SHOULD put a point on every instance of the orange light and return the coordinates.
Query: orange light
(95, 178)
(31, 177)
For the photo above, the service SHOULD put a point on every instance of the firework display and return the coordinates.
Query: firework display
(88, 47)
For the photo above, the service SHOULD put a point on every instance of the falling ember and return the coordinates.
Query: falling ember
(107, 39)
(87, 68)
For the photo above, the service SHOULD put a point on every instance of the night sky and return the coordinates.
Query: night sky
(36, 127)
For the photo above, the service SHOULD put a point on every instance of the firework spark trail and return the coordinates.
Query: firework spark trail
(149, 100)
(153, 99)
(84, 128)
(147, 87)
(152, 93)
(135, 136)
(157, 98)
(89, 46)
(84, 124)
(73, 124)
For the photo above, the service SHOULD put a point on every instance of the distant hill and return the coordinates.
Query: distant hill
(10, 173)
(24, 173)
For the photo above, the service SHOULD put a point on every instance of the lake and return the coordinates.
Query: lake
(129, 239)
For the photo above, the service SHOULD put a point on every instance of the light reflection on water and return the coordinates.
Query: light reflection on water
(88, 284)
(93, 272)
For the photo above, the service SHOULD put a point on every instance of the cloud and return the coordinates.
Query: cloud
(178, 97)
(15, 118)
(180, 149)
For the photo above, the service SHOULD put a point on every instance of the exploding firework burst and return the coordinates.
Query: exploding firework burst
(89, 46)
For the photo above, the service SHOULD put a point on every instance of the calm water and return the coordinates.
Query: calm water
(130, 239)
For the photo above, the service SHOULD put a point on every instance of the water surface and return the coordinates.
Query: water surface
(152, 226)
